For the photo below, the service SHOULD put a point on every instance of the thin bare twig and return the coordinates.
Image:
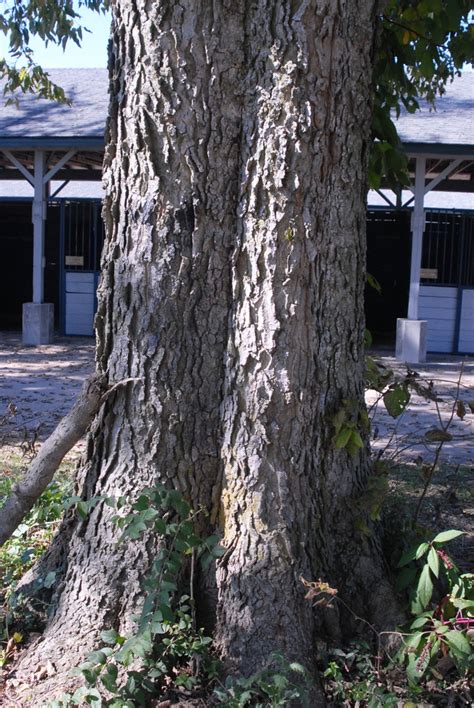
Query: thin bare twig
(445, 428)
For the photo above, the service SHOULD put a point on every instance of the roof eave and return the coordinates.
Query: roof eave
(439, 150)
(74, 142)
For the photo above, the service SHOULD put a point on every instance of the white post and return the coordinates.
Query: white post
(417, 229)
(38, 316)
(412, 332)
(39, 216)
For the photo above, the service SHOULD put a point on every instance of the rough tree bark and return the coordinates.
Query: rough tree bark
(232, 287)
(295, 354)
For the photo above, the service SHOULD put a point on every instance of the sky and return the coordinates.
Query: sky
(91, 54)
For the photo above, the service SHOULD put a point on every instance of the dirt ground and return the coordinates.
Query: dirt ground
(38, 386)
(404, 438)
(42, 383)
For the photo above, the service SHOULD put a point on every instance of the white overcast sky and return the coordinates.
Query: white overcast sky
(92, 53)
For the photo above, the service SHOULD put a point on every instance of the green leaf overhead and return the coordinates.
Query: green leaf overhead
(53, 21)
(423, 44)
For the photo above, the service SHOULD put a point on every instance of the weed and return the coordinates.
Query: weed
(442, 602)
(167, 647)
(353, 674)
(278, 684)
(23, 549)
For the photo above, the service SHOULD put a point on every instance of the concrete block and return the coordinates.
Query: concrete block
(411, 340)
(38, 323)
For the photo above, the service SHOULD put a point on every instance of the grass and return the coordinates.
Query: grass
(34, 534)
(456, 481)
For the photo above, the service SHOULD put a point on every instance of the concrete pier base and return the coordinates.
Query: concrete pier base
(411, 340)
(38, 323)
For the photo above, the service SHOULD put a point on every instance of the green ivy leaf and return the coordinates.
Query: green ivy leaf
(405, 578)
(396, 399)
(82, 509)
(420, 621)
(407, 557)
(438, 435)
(89, 676)
(110, 636)
(343, 437)
(97, 657)
(374, 283)
(356, 439)
(412, 673)
(142, 503)
(218, 551)
(109, 678)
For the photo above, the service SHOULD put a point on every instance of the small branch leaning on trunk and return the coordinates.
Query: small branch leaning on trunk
(68, 432)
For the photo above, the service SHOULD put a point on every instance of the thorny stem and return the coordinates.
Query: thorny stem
(456, 398)
(191, 588)
(438, 412)
(428, 479)
(449, 381)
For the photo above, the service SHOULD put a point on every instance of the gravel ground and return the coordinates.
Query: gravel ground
(42, 383)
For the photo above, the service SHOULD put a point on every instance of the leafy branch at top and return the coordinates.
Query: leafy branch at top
(422, 45)
(53, 21)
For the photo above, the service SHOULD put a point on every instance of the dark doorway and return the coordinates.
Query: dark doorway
(16, 260)
(388, 261)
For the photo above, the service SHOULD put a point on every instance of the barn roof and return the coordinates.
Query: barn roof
(37, 120)
(440, 134)
(443, 134)
(74, 133)
(449, 123)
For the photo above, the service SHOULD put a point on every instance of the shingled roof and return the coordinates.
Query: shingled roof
(36, 118)
(449, 123)
(440, 133)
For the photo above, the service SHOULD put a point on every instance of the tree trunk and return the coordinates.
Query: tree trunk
(295, 357)
(232, 287)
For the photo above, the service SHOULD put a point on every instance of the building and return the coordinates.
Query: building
(421, 242)
(438, 287)
(50, 190)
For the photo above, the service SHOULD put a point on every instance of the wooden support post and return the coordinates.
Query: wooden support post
(38, 218)
(417, 229)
